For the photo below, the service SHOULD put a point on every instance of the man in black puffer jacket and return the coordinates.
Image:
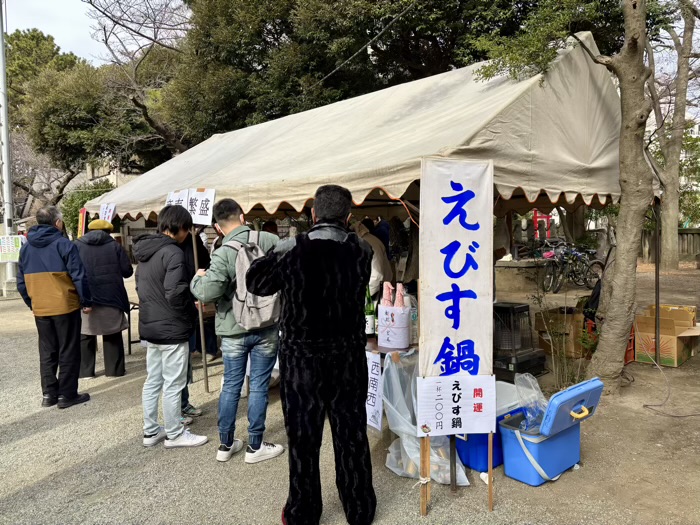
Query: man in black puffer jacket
(166, 316)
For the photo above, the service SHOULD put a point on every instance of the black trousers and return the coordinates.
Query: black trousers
(113, 345)
(59, 350)
(313, 386)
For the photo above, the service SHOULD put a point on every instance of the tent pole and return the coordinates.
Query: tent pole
(200, 311)
(657, 291)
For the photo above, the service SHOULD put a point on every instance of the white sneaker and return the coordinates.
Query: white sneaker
(186, 439)
(265, 452)
(225, 453)
(154, 439)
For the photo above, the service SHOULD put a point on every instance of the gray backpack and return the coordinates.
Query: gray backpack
(251, 311)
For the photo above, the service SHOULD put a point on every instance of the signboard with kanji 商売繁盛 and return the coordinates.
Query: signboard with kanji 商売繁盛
(456, 287)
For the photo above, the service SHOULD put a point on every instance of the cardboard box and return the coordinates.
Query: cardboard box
(567, 325)
(679, 337)
(683, 315)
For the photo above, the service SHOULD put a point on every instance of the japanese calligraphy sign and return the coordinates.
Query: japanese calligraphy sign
(456, 238)
(375, 391)
(178, 197)
(198, 201)
(107, 211)
(200, 204)
(456, 404)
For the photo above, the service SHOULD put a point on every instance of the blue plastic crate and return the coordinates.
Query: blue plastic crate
(474, 452)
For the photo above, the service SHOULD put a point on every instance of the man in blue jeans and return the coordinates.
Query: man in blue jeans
(218, 285)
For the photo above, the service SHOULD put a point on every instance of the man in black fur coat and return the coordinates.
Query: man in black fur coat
(323, 276)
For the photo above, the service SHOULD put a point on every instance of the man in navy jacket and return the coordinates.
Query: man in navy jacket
(53, 283)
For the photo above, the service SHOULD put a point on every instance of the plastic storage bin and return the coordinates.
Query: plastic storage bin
(474, 451)
(535, 457)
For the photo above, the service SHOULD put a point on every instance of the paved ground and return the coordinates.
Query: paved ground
(86, 464)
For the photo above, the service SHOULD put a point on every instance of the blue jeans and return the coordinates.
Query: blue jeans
(261, 347)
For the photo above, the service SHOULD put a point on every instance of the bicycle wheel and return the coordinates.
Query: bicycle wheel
(562, 270)
(578, 273)
(551, 269)
(594, 272)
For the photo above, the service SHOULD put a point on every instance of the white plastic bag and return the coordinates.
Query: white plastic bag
(531, 399)
(399, 406)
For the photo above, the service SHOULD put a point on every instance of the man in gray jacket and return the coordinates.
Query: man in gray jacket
(218, 285)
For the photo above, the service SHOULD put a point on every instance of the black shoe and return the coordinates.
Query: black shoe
(49, 401)
(64, 402)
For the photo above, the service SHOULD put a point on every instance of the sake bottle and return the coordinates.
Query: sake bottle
(370, 314)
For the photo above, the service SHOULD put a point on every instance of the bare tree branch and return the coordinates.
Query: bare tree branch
(126, 15)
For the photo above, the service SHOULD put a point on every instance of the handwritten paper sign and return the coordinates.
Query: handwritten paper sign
(456, 404)
(107, 211)
(375, 389)
(178, 198)
(456, 238)
(10, 245)
(199, 202)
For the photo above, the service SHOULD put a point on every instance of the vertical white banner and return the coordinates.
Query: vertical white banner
(375, 389)
(456, 253)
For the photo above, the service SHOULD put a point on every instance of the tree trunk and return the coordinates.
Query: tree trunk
(669, 223)
(670, 175)
(637, 194)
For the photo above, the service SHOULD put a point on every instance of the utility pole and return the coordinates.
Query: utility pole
(10, 271)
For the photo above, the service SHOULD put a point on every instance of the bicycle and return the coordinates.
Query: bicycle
(573, 265)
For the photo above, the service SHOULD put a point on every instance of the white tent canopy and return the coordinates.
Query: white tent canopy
(557, 135)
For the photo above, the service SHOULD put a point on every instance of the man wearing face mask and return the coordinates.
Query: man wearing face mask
(322, 276)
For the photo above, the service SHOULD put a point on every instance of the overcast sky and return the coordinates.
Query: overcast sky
(65, 20)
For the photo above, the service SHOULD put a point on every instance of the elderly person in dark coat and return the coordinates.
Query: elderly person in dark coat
(107, 265)
(322, 277)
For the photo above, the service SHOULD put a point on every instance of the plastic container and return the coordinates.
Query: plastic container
(474, 451)
(540, 455)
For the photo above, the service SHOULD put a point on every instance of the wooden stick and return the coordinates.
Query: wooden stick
(424, 474)
(453, 464)
(490, 472)
(200, 310)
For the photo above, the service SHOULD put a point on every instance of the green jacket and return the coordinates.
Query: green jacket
(218, 285)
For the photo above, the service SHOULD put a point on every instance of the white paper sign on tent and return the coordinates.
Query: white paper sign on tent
(200, 204)
(107, 211)
(178, 198)
(456, 285)
(375, 389)
(456, 404)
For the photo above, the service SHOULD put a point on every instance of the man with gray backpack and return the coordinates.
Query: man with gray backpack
(247, 325)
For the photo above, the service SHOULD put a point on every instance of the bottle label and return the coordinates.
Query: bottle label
(369, 324)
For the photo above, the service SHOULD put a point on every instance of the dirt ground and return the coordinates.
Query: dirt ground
(86, 464)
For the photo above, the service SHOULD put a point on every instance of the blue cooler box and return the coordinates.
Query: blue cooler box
(543, 454)
(473, 449)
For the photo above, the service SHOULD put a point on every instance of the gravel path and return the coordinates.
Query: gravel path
(86, 464)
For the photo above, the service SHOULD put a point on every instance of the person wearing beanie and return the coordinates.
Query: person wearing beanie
(107, 265)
